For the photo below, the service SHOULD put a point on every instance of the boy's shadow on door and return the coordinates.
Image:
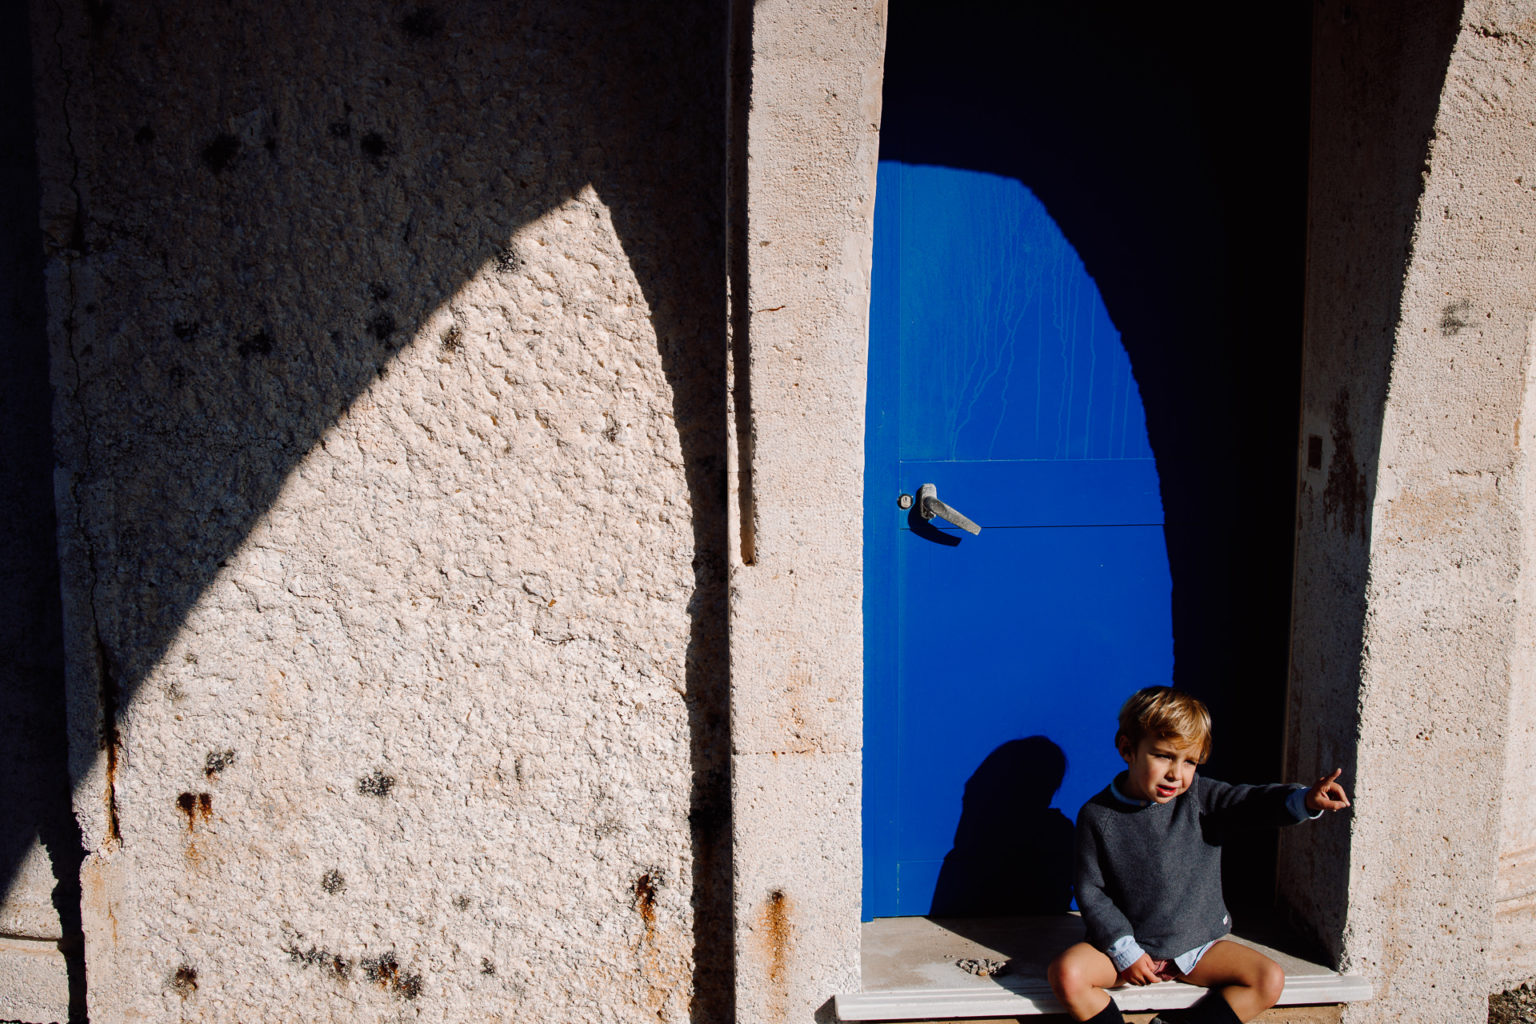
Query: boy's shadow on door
(1013, 851)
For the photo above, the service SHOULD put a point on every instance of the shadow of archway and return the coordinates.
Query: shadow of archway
(252, 212)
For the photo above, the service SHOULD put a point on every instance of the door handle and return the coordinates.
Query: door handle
(929, 505)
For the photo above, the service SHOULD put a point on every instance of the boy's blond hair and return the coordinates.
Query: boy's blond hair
(1167, 714)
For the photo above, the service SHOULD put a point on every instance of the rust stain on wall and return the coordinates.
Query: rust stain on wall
(110, 740)
(776, 931)
(196, 806)
(645, 902)
(98, 893)
(665, 970)
(1345, 495)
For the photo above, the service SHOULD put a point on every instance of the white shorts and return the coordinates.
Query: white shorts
(1186, 962)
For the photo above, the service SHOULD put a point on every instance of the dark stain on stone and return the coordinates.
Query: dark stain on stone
(378, 291)
(461, 902)
(376, 784)
(328, 962)
(1314, 451)
(645, 899)
(508, 261)
(381, 326)
(332, 882)
(196, 806)
(218, 153)
(339, 130)
(1344, 496)
(374, 147)
(184, 981)
(145, 135)
(451, 339)
(111, 739)
(384, 971)
(185, 330)
(487, 968)
(217, 761)
(1454, 317)
(422, 23)
(258, 344)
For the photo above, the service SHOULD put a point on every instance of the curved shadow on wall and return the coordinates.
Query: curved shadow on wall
(1175, 162)
(442, 129)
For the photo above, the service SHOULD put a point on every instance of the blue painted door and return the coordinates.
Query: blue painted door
(996, 375)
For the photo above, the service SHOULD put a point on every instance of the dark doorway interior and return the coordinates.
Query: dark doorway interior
(1171, 148)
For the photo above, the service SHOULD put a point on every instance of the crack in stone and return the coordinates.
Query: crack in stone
(106, 681)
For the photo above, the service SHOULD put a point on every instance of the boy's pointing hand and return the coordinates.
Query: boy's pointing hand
(1326, 794)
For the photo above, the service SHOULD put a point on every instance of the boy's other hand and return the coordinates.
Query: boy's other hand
(1326, 794)
(1142, 972)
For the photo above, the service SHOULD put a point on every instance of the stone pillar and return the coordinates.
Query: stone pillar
(805, 131)
(1512, 953)
(1410, 565)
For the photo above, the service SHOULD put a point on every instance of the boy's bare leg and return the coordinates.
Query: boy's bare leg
(1249, 981)
(1079, 977)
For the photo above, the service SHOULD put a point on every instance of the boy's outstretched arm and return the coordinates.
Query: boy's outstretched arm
(1326, 794)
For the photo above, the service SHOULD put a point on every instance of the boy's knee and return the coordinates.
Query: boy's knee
(1065, 976)
(1271, 982)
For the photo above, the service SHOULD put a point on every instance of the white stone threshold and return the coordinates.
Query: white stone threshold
(911, 972)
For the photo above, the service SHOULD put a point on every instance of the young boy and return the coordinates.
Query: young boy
(1149, 870)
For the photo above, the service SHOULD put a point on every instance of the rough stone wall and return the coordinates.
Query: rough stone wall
(1410, 567)
(1372, 65)
(388, 356)
(807, 118)
(1512, 952)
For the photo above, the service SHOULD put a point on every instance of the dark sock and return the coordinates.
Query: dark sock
(1212, 1009)
(1109, 1015)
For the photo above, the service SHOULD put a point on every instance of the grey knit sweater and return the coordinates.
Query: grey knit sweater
(1154, 871)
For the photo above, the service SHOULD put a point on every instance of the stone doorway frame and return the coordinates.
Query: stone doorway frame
(1408, 475)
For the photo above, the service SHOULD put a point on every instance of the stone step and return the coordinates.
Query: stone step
(914, 970)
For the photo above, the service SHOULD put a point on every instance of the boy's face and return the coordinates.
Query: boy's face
(1158, 769)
